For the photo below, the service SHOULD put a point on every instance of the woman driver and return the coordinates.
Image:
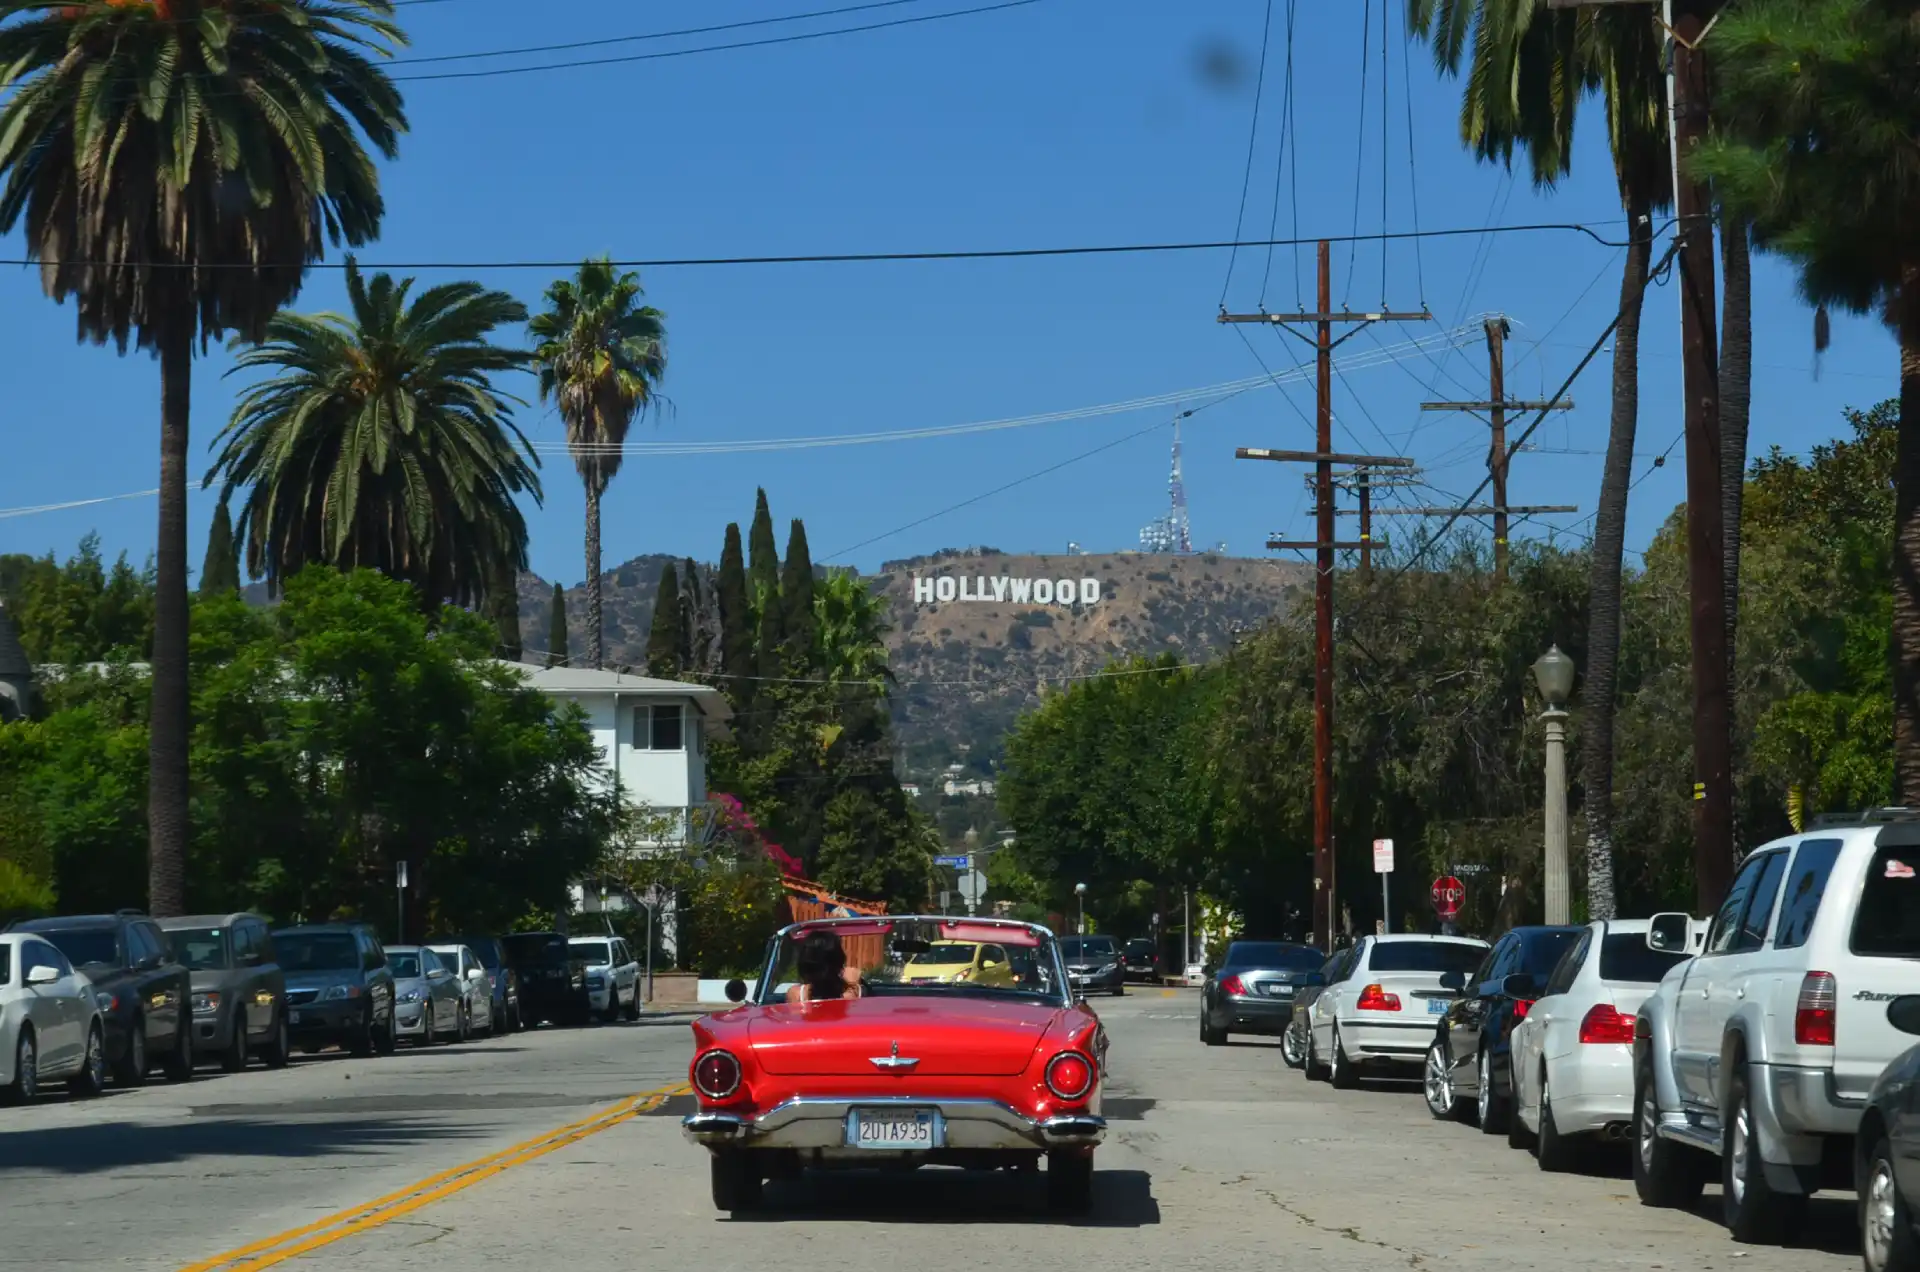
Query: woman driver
(821, 962)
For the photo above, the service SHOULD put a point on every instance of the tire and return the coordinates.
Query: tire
(1665, 1174)
(1316, 1072)
(26, 1070)
(178, 1066)
(1887, 1240)
(1490, 1111)
(1756, 1214)
(462, 1024)
(1518, 1136)
(1120, 990)
(386, 1039)
(92, 1078)
(736, 1181)
(427, 1027)
(1436, 1084)
(280, 1050)
(612, 1013)
(1208, 1034)
(360, 1043)
(1069, 1182)
(1554, 1151)
(1292, 1054)
(234, 1058)
(131, 1069)
(632, 1010)
(1341, 1072)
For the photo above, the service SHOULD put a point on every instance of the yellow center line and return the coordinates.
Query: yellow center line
(355, 1219)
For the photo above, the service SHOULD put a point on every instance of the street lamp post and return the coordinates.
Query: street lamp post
(1553, 673)
(1080, 894)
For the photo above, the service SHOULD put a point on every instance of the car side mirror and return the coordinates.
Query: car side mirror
(43, 975)
(1455, 981)
(475, 973)
(1670, 933)
(736, 990)
(1521, 985)
(1903, 1013)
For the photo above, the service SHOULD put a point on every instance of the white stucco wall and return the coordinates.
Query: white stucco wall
(656, 779)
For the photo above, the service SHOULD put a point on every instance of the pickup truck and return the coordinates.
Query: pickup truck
(1761, 1051)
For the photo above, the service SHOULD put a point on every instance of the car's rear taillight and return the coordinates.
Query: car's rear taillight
(1603, 1024)
(1374, 998)
(1233, 985)
(716, 1075)
(1813, 1014)
(1520, 1008)
(1069, 1075)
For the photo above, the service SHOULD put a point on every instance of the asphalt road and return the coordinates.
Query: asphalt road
(532, 1151)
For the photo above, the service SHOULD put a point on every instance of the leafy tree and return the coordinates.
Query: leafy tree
(601, 355)
(796, 601)
(174, 178)
(379, 441)
(557, 655)
(220, 572)
(503, 607)
(664, 640)
(80, 610)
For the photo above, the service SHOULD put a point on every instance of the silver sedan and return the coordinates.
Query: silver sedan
(429, 1003)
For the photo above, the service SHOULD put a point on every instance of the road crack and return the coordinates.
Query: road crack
(1414, 1258)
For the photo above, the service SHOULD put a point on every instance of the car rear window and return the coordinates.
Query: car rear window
(1139, 949)
(1424, 956)
(1806, 885)
(1539, 954)
(85, 947)
(1624, 957)
(1887, 924)
(6, 964)
(1275, 954)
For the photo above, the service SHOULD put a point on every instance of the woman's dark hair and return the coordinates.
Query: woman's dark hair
(822, 963)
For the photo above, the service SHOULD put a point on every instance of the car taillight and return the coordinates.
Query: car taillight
(1813, 1015)
(1069, 1075)
(716, 1075)
(1233, 985)
(1374, 998)
(1520, 1008)
(1603, 1024)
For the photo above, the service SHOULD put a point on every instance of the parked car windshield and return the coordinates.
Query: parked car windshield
(536, 948)
(201, 949)
(592, 951)
(1273, 954)
(405, 965)
(1425, 956)
(1538, 956)
(1624, 956)
(890, 958)
(85, 947)
(6, 964)
(1086, 947)
(1888, 922)
(316, 951)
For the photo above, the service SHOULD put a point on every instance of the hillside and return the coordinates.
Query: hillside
(968, 667)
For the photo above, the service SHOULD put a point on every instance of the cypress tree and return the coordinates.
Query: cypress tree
(736, 620)
(796, 600)
(663, 640)
(503, 606)
(220, 572)
(763, 559)
(695, 639)
(557, 629)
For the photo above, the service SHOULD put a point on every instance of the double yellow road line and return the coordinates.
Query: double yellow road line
(356, 1219)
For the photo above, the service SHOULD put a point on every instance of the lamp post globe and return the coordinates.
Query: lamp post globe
(1080, 894)
(1553, 673)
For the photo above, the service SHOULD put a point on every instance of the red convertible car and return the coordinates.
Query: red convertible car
(901, 1042)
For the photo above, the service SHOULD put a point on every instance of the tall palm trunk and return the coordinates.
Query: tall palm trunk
(1736, 395)
(1906, 551)
(1603, 585)
(167, 733)
(596, 649)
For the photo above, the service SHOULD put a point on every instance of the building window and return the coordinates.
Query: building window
(659, 727)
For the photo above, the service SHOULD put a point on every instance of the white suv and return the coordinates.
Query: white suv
(1761, 1051)
(613, 975)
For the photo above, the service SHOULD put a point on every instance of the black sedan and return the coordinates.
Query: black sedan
(1093, 964)
(1887, 1166)
(1468, 1076)
(1252, 989)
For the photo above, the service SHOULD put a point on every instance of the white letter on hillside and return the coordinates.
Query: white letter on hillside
(1022, 589)
(1063, 591)
(1000, 587)
(922, 591)
(1043, 591)
(1089, 591)
(944, 586)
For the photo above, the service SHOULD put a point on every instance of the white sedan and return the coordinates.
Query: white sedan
(1572, 1054)
(1381, 1006)
(50, 1025)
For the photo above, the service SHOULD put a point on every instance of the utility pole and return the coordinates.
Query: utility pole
(1324, 545)
(1495, 410)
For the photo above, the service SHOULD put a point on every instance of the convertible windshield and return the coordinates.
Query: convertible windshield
(898, 956)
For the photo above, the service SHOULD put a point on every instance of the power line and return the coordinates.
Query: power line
(1253, 135)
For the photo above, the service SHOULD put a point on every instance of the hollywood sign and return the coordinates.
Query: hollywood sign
(946, 588)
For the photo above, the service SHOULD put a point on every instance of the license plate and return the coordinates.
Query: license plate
(293, 1017)
(1277, 991)
(894, 1129)
(1436, 1006)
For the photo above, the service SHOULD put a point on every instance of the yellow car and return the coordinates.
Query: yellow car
(957, 962)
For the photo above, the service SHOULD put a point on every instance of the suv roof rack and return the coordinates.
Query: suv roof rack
(1866, 817)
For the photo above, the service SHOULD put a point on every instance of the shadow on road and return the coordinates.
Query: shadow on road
(111, 1146)
(1121, 1198)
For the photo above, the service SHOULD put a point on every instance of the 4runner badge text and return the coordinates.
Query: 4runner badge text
(1868, 996)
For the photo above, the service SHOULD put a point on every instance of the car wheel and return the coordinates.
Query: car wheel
(1518, 1136)
(1887, 1240)
(1292, 1054)
(1069, 1181)
(361, 1043)
(234, 1058)
(736, 1181)
(1489, 1109)
(1665, 1174)
(1120, 990)
(426, 1028)
(132, 1068)
(26, 1070)
(280, 1050)
(1437, 1084)
(1316, 1072)
(1340, 1071)
(1208, 1034)
(1554, 1151)
(632, 1010)
(386, 1038)
(92, 1078)
(1755, 1212)
(463, 1024)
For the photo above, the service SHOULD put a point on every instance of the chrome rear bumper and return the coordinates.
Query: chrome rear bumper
(821, 1123)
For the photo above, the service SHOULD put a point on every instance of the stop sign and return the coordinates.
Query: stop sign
(1449, 894)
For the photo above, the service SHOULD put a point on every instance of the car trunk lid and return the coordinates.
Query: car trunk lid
(949, 1036)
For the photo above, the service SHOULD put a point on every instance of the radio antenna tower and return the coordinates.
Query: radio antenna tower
(1177, 489)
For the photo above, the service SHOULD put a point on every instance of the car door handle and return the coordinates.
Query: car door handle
(1740, 993)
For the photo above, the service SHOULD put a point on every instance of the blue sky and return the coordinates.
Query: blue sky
(1053, 123)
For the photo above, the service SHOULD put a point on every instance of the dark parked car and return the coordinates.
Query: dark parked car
(553, 980)
(1252, 989)
(1140, 960)
(339, 991)
(1306, 988)
(239, 992)
(1887, 1161)
(1468, 1077)
(143, 993)
(1093, 964)
(492, 954)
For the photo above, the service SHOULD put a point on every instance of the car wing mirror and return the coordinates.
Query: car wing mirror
(1903, 1013)
(1520, 985)
(736, 990)
(1670, 933)
(476, 973)
(43, 974)
(1455, 981)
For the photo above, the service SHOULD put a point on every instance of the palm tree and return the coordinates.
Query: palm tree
(176, 166)
(1816, 103)
(380, 441)
(1528, 71)
(601, 356)
(850, 630)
